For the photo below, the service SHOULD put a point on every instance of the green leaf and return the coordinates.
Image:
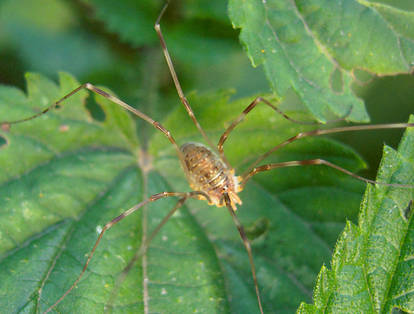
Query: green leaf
(45, 39)
(199, 33)
(132, 20)
(372, 262)
(314, 46)
(281, 197)
(64, 175)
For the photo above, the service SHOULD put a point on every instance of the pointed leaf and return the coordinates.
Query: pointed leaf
(372, 268)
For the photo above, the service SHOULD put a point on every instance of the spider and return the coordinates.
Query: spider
(206, 167)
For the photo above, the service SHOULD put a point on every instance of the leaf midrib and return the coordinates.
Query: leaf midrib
(68, 236)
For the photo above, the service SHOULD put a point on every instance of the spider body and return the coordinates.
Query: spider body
(208, 173)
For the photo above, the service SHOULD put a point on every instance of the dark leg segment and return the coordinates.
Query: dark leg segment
(246, 244)
(296, 163)
(5, 125)
(143, 248)
(175, 77)
(252, 105)
(329, 131)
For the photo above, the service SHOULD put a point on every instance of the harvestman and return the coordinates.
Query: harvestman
(207, 170)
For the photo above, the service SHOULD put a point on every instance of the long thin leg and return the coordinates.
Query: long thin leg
(152, 198)
(330, 131)
(143, 248)
(296, 163)
(249, 108)
(175, 77)
(5, 125)
(246, 244)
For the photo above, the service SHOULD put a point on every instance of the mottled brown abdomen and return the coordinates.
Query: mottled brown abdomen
(208, 173)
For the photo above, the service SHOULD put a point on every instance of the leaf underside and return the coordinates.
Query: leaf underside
(313, 47)
(313, 50)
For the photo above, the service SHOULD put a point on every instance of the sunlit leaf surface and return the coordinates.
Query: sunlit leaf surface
(372, 266)
(64, 175)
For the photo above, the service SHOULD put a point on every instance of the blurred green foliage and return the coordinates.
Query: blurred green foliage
(51, 35)
(89, 39)
(106, 46)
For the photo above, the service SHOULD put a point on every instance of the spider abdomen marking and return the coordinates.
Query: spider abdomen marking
(206, 172)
